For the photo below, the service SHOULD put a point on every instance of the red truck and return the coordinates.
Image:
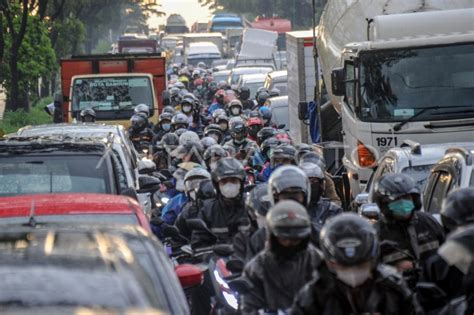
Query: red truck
(112, 85)
(275, 24)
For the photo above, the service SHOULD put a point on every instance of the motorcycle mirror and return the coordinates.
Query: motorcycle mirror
(223, 250)
(235, 265)
(189, 275)
(370, 211)
(239, 285)
(148, 184)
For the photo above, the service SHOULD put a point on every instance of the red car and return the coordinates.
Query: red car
(72, 208)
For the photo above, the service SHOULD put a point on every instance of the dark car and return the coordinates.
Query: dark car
(98, 268)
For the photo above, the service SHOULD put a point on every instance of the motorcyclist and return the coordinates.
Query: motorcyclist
(259, 159)
(254, 125)
(140, 135)
(235, 108)
(416, 234)
(278, 272)
(244, 147)
(266, 113)
(214, 131)
(213, 154)
(223, 122)
(456, 213)
(163, 126)
(225, 215)
(244, 97)
(220, 101)
(207, 142)
(320, 209)
(261, 99)
(179, 121)
(88, 115)
(144, 109)
(352, 281)
(283, 154)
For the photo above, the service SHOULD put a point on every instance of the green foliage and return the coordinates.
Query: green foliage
(13, 120)
(69, 35)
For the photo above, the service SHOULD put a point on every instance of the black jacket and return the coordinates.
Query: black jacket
(275, 282)
(321, 211)
(386, 293)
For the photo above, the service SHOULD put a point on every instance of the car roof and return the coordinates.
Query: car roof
(278, 74)
(429, 153)
(278, 101)
(71, 129)
(254, 77)
(64, 204)
(222, 72)
(50, 144)
(249, 70)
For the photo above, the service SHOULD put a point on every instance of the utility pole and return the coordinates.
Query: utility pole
(317, 92)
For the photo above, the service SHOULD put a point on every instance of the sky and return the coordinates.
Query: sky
(191, 10)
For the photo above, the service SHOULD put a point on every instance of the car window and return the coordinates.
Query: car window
(280, 116)
(119, 170)
(21, 175)
(440, 189)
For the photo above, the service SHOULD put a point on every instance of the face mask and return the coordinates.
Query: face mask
(353, 277)
(212, 165)
(261, 221)
(192, 195)
(230, 190)
(187, 109)
(180, 185)
(166, 127)
(235, 111)
(402, 207)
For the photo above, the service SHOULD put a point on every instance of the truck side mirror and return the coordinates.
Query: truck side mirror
(338, 84)
(303, 111)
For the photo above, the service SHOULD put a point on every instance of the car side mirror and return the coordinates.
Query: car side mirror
(370, 211)
(361, 199)
(148, 184)
(303, 113)
(338, 84)
(189, 275)
(146, 166)
(129, 192)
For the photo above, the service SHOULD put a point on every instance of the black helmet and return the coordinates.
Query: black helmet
(289, 220)
(142, 108)
(312, 170)
(138, 122)
(264, 134)
(214, 131)
(228, 168)
(391, 187)
(312, 157)
(187, 105)
(258, 201)
(457, 209)
(268, 145)
(287, 178)
(217, 113)
(88, 115)
(208, 142)
(244, 93)
(262, 97)
(179, 120)
(171, 140)
(165, 116)
(214, 151)
(283, 151)
(237, 126)
(349, 240)
(168, 109)
(206, 190)
(302, 149)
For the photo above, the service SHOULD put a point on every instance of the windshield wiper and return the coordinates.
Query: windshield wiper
(399, 126)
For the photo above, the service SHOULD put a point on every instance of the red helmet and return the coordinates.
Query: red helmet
(198, 82)
(254, 121)
(220, 94)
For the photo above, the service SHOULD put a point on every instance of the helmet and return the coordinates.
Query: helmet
(201, 65)
(237, 125)
(223, 120)
(264, 134)
(168, 109)
(312, 157)
(244, 93)
(267, 145)
(301, 149)
(283, 151)
(254, 125)
(174, 91)
(266, 113)
(138, 122)
(205, 190)
(283, 137)
(258, 201)
(194, 177)
(391, 187)
(179, 120)
(230, 149)
(89, 113)
(142, 108)
(312, 170)
(188, 136)
(289, 177)
(215, 131)
(207, 142)
(289, 220)
(165, 116)
(214, 151)
(192, 149)
(457, 209)
(349, 240)
(180, 85)
(222, 85)
(261, 89)
(228, 168)
(274, 92)
(187, 105)
(235, 107)
(458, 251)
(180, 131)
(171, 140)
(220, 95)
(218, 112)
(198, 82)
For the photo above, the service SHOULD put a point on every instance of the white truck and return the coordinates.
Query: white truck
(215, 38)
(397, 70)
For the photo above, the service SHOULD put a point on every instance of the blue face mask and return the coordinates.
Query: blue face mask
(166, 127)
(402, 207)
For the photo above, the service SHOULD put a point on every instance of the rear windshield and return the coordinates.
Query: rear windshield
(20, 175)
(76, 219)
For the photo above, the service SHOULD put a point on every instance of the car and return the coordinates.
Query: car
(453, 171)
(411, 158)
(72, 209)
(252, 81)
(280, 114)
(107, 269)
(236, 73)
(277, 80)
(220, 75)
(129, 164)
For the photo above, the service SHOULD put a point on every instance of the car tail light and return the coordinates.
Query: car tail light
(366, 156)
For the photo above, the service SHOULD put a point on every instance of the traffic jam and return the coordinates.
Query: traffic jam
(251, 167)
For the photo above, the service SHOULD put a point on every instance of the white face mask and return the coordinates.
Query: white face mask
(187, 109)
(261, 221)
(192, 195)
(230, 190)
(354, 277)
(235, 111)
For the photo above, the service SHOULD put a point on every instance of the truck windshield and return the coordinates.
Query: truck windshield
(398, 84)
(111, 93)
